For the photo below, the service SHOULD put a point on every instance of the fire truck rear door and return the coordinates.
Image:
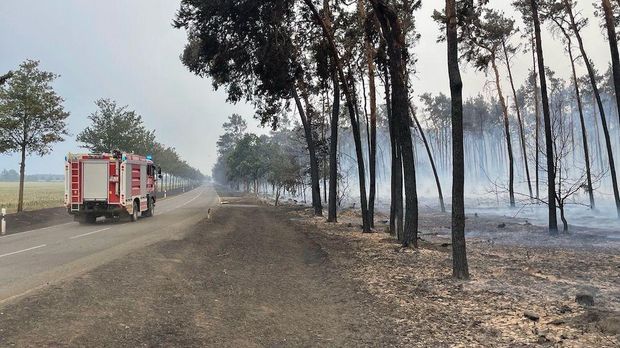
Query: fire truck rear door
(95, 180)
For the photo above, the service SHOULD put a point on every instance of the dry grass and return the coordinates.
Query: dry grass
(37, 195)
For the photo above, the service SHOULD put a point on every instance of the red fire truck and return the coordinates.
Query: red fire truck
(110, 185)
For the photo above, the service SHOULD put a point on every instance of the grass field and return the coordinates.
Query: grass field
(37, 195)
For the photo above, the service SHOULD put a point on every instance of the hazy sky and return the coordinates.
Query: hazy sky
(127, 50)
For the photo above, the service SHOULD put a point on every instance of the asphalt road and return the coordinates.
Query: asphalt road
(37, 258)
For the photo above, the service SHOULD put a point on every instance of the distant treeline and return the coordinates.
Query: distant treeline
(12, 175)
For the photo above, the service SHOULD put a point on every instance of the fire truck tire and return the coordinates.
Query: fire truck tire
(88, 219)
(136, 211)
(151, 209)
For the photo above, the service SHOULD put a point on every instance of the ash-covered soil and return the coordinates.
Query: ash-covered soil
(249, 277)
(522, 293)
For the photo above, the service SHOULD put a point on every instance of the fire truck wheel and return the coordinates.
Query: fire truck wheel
(88, 219)
(151, 209)
(136, 211)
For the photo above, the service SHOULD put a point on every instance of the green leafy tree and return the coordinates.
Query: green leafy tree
(234, 130)
(245, 161)
(116, 128)
(32, 116)
(283, 170)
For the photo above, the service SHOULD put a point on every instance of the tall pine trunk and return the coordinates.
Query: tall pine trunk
(599, 101)
(610, 23)
(430, 158)
(553, 217)
(396, 213)
(582, 122)
(502, 102)
(460, 269)
(372, 92)
(333, 153)
(519, 120)
(314, 164)
(392, 32)
(355, 129)
(584, 133)
(396, 186)
(537, 114)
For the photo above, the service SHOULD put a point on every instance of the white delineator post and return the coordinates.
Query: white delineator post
(3, 223)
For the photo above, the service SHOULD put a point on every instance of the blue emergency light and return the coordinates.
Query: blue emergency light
(149, 157)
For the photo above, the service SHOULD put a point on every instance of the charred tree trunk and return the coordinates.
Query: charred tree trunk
(392, 32)
(314, 164)
(502, 101)
(537, 113)
(430, 158)
(351, 108)
(599, 101)
(582, 122)
(396, 186)
(396, 221)
(519, 120)
(460, 269)
(333, 153)
(563, 218)
(553, 218)
(373, 149)
(372, 92)
(584, 133)
(610, 23)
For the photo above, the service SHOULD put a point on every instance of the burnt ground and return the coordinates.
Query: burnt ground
(248, 277)
(522, 292)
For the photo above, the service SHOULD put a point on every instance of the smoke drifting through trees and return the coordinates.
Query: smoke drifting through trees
(301, 59)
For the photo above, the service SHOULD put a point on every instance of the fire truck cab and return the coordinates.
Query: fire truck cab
(110, 185)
